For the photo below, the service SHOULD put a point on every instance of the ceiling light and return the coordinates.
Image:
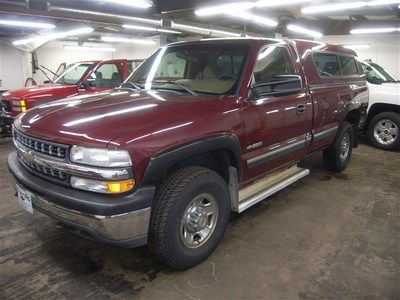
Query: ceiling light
(332, 7)
(145, 28)
(223, 8)
(374, 30)
(54, 36)
(133, 3)
(90, 48)
(382, 2)
(127, 40)
(27, 24)
(269, 3)
(254, 18)
(360, 46)
(305, 31)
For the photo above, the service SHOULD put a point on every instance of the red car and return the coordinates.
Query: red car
(200, 129)
(78, 78)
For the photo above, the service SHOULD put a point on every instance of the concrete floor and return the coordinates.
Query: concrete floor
(327, 236)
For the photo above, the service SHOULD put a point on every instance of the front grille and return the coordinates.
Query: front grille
(42, 146)
(6, 105)
(45, 171)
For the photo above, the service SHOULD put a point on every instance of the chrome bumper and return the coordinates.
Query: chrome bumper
(128, 229)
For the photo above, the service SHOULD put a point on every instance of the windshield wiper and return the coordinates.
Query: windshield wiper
(130, 84)
(183, 86)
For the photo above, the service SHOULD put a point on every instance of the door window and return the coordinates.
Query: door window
(327, 64)
(106, 76)
(348, 65)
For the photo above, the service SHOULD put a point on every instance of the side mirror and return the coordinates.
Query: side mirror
(83, 86)
(278, 86)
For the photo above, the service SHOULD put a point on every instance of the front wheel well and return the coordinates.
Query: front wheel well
(378, 108)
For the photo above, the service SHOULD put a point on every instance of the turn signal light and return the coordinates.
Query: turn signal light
(22, 104)
(119, 186)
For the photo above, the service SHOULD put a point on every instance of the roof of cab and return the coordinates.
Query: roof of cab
(301, 45)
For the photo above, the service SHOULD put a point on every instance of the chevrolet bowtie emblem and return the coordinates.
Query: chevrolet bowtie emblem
(29, 157)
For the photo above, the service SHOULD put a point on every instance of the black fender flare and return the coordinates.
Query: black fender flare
(159, 164)
(350, 106)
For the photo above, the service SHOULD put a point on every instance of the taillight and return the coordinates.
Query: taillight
(19, 105)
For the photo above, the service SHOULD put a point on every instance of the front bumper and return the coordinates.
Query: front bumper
(123, 222)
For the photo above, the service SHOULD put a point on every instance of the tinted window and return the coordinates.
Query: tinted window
(272, 61)
(348, 65)
(327, 64)
(73, 73)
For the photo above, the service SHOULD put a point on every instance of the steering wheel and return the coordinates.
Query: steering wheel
(226, 75)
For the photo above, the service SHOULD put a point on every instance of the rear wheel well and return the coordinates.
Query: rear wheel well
(217, 160)
(378, 108)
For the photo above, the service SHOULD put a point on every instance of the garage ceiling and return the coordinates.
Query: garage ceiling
(107, 18)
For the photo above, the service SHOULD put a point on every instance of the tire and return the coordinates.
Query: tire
(169, 216)
(384, 131)
(337, 156)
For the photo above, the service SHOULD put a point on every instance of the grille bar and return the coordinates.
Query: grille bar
(43, 147)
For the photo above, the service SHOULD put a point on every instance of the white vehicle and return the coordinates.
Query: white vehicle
(382, 124)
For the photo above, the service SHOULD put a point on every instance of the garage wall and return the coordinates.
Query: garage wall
(13, 67)
(384, 49)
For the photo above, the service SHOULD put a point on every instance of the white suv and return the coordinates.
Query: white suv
(382, 123)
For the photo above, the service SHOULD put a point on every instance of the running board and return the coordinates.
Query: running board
(268, 185)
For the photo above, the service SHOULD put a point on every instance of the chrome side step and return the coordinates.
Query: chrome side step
(268, 185)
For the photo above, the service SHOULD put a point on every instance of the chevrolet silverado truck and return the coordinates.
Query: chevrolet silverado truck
(198, 130)
(78, 78)
(382, 124)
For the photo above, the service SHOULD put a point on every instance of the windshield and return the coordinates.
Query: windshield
(199, 68)
(73, 73)
(376, 74)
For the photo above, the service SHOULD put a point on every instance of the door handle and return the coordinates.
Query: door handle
(301, 108)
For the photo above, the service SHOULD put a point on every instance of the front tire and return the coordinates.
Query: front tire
(189, 216)
(384, 131)
(337, 156)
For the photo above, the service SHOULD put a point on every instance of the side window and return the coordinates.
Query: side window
(327, 64)
(106, 76)
(348, 65)
(272, 61)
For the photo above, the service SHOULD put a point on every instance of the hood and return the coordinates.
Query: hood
(42, 91)
(97, 119)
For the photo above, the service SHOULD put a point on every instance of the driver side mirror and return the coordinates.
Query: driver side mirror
(278, 86)
(83, 86)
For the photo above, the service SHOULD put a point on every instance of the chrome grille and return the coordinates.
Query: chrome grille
(45, 171)
(6, 105)
(41, 146)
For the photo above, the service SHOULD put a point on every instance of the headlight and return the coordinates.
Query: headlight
(100, 157)
(110, 187)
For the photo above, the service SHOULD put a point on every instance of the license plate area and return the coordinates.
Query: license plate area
(25, 199)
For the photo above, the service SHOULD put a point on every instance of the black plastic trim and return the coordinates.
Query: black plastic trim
(82, 201)
(159, 164)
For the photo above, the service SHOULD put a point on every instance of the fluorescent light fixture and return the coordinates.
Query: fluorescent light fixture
(127, 40)
(145, 28)
(343, 6)
(306, 31)
(90, 48)
(133, 3)
(360, 46)
(27, 24)
(223, 8)
(203, 30)
(332, 7)
(269, 3)
(54, 36)
(257, 19)
(374, 30)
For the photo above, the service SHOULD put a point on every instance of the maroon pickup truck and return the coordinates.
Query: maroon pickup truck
(200, 129)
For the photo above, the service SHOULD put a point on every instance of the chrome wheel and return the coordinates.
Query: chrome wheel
(344, 146)
(385, 131)
(199, 220)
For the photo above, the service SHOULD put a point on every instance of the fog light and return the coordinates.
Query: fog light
(106, 187)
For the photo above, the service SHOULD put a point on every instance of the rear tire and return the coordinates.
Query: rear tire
(384, 131)
(189, 216)
(337, 156)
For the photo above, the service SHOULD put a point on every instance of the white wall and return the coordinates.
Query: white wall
(384, 49)
(13, 67)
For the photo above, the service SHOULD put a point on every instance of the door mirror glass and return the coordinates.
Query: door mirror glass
(83, 86)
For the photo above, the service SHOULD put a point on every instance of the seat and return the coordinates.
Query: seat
(115, 79)
(331, 68)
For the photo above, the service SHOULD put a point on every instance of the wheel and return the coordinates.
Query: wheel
(189, 216)
(383, 131)
(337, 156)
